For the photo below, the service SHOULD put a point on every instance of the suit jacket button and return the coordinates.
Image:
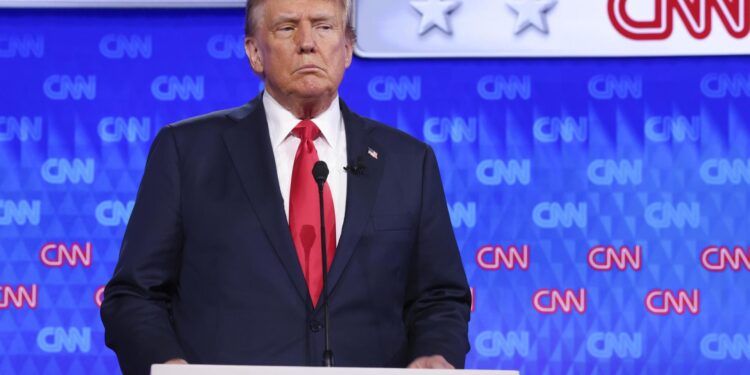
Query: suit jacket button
(315, 326)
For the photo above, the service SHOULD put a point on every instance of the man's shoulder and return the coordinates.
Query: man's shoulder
(213, 122)
(391, 137)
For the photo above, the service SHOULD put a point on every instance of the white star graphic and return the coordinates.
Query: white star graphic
(531, 13)
(435, 14)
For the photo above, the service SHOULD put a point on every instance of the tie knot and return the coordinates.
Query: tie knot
(306, 130)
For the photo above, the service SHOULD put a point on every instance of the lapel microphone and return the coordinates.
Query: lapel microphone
(320, 173)
(357, 169)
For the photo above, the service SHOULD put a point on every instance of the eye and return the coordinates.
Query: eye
(285, 29)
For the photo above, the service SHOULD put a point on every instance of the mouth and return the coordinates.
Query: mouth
(308, 68)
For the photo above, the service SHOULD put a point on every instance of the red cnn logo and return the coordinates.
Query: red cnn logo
(19, 297)
(696, 15)
(605, 258)
(57, 254)
(550, 301)
(717, 259)
(472, 299)
(493, 257)
(662, 302)
(99, 296)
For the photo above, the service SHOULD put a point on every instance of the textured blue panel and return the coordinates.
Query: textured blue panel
(550, 167)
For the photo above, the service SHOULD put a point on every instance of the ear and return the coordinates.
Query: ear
(252, 50)
(349, 50)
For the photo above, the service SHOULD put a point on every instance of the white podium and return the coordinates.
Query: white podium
(284, 370)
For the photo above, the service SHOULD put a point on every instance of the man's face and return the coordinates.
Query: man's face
(300, 48)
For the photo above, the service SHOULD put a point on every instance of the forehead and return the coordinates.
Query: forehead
(273, 9)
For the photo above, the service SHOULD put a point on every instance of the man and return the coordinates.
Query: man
(221, 260)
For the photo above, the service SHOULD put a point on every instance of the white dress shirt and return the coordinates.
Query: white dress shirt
(331, 148)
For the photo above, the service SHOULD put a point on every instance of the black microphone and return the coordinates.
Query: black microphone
(356, 169)
(320, 173)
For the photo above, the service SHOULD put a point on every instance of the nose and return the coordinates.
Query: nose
(305, 39)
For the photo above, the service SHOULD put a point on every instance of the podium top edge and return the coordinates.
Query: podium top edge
(296, 370)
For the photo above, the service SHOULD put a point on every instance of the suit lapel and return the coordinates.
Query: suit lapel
(360, 191)
(249, 145)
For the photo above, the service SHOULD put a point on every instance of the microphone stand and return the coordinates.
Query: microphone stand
(320, 173)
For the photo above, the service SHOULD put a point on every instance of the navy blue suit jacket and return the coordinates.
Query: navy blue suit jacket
(208, 271)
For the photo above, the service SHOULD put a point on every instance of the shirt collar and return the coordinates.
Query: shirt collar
(281, 121)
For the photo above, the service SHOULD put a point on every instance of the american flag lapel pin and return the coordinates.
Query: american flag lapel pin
(372, 153)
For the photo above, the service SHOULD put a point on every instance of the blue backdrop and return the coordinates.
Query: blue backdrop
(600, 204)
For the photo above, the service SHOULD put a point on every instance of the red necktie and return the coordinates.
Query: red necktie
(304, 211)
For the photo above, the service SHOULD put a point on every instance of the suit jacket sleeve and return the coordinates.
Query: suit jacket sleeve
(438, 296)
(135, 310)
